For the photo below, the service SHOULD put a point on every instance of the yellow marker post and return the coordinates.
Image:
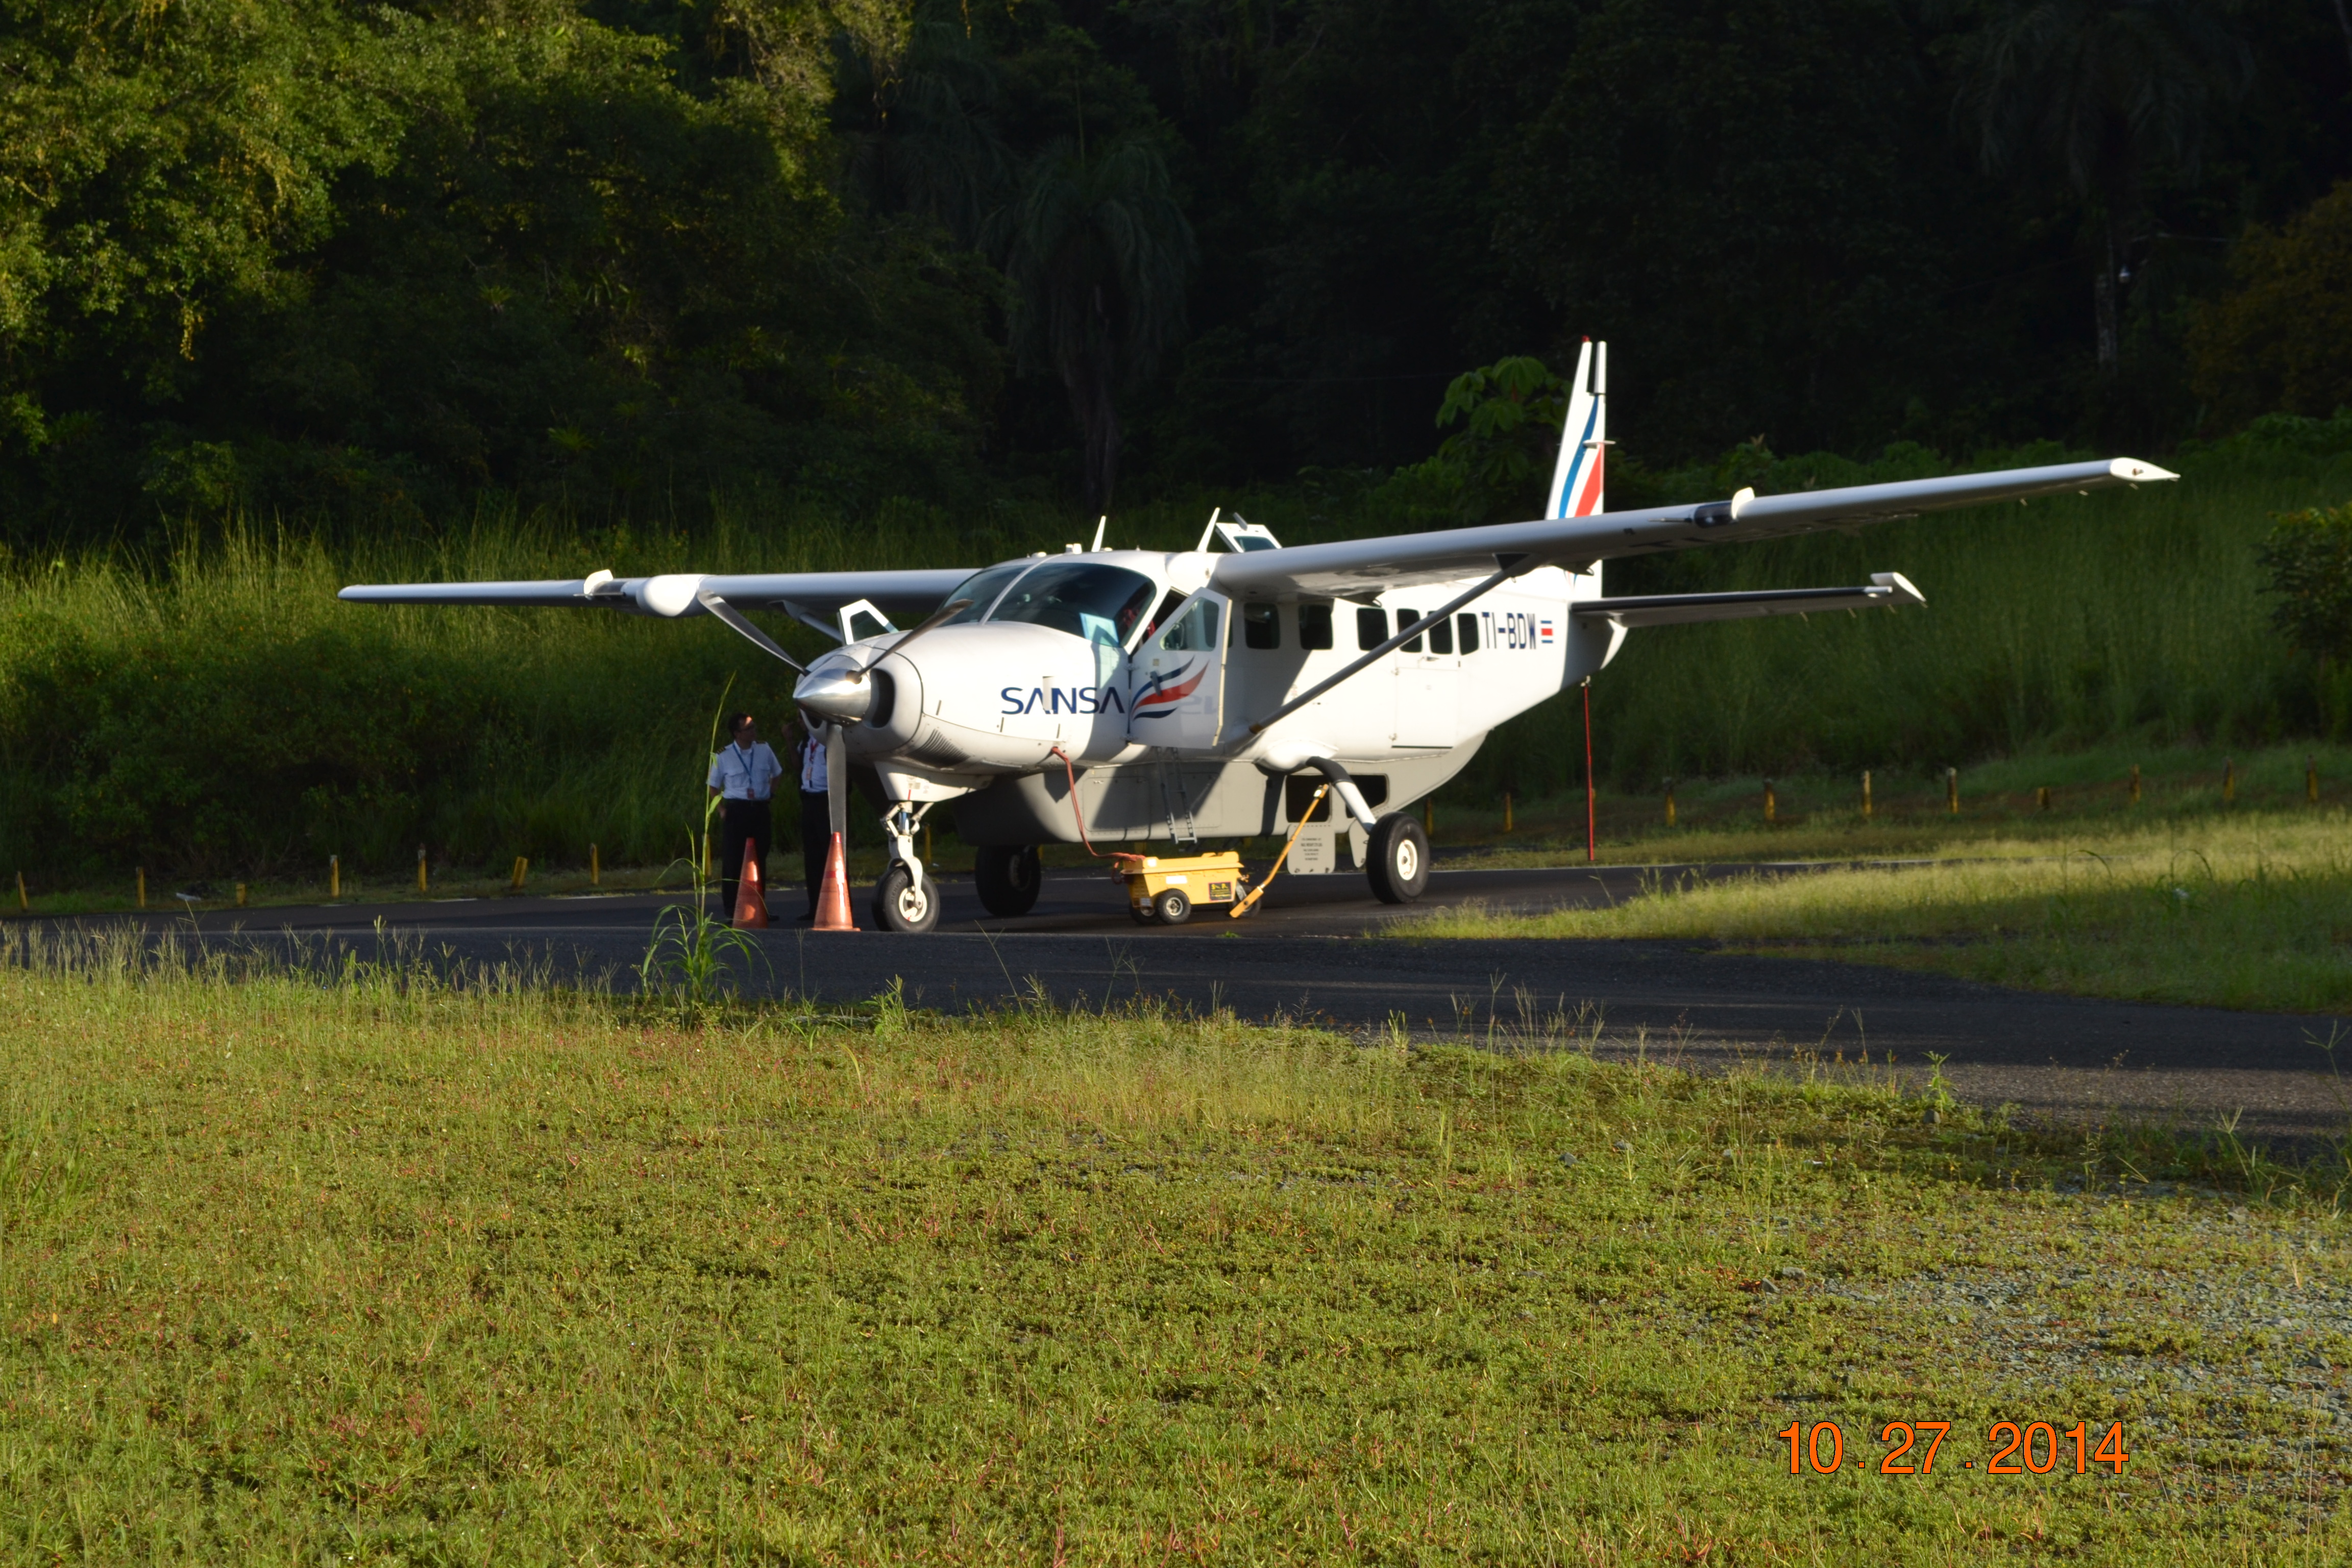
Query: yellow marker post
(334, 875)
(424, 881)
(521, 870)
(2229, 782)
(240, 895)
(1865, 795)
(142, 870)
(1771, 803)
(1670, 803)
(2042, 798)
(596, 867)
(1952, 789)
(2135, 783)
(23, 900)
(1428, 816)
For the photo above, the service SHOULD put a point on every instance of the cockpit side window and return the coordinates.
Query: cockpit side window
(1195, 631)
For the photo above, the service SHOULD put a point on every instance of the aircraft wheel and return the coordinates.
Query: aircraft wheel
(899, 905)
(1399, 859)
(1008, 877)
(1172, 908)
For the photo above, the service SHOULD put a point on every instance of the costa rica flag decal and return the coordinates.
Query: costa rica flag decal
(1162, 692)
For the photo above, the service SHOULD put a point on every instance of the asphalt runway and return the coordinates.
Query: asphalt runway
(1316, 952)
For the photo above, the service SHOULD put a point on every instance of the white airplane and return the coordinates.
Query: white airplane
(1117, 696)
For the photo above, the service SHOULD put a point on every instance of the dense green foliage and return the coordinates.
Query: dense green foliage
(2308, 555)
(371, 262)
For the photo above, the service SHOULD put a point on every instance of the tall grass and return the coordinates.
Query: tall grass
(212, 711)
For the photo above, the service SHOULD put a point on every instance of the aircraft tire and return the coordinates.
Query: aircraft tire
(898, 907)
(1399, 861)
(1172, 908)
(1008, 877)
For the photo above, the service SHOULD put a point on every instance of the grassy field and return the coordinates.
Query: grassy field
(2250, 908)
(384, 1270)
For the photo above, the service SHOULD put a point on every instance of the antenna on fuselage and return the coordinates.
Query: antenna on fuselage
(1100, 523)
(1210, 532)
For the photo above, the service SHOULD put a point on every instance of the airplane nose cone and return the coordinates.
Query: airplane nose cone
(841, 694)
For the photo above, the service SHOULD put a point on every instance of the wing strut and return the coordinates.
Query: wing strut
(735, 618)
(1512, 567)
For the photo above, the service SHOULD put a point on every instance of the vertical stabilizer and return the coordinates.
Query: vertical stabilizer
(1583, 437)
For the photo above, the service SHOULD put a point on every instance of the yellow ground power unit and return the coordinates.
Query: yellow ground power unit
(1163, 889)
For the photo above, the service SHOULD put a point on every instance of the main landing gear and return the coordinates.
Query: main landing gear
(1397, 861)
(1009, 877)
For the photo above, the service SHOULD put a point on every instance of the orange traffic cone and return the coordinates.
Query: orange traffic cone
(751, 896)
(833, 897)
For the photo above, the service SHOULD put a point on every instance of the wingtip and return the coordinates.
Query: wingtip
(2131, 470)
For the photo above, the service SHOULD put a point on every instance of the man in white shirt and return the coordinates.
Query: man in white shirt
(743, 776)
(817, 809)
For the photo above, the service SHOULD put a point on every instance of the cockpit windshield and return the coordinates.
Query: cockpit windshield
(982, 588)
(1087, 599)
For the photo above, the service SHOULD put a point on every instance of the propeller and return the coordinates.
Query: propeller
(841, 693)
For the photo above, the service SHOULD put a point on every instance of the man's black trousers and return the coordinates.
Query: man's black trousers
(817, 838)
(741, 822)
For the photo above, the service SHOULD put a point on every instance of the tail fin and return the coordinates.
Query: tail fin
(1583, 439)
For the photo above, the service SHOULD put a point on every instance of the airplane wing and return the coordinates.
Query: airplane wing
(1887, 591)
(1360, 568)
(680, 594)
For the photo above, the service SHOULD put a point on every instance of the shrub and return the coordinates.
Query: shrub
(2308, 555)
(2282, 341)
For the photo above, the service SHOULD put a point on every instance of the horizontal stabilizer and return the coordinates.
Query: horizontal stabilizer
(1887, 591)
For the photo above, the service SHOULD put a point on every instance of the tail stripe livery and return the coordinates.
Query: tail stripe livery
(1576, 481)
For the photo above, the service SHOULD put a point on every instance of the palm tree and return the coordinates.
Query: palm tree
(916, 130)
(2097, 91)
(1097, 252)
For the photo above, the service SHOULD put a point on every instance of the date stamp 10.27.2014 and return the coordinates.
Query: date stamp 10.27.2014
(2037, 1447)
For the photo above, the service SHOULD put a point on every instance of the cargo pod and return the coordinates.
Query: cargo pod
(1176, 678)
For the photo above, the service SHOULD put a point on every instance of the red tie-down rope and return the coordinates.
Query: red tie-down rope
(1591, 853)
(1072, 775)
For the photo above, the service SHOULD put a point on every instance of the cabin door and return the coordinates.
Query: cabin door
(1177, 676)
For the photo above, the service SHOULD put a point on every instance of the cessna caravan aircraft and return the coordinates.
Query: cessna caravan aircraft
(1124, 696)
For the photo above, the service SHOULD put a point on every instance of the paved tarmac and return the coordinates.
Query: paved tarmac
(1316, 950)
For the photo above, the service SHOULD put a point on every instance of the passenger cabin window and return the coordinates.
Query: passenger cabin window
(1195, 630)
(1261, 626)
(1314, 626)
(1371, 629)
(1404, 618)
(1469, 625)
(1087, 599)
(1441, 637)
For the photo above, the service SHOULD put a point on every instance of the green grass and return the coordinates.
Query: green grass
(402, 1272)
(2250, 908)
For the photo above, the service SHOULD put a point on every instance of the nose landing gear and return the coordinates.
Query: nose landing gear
(906, 900)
